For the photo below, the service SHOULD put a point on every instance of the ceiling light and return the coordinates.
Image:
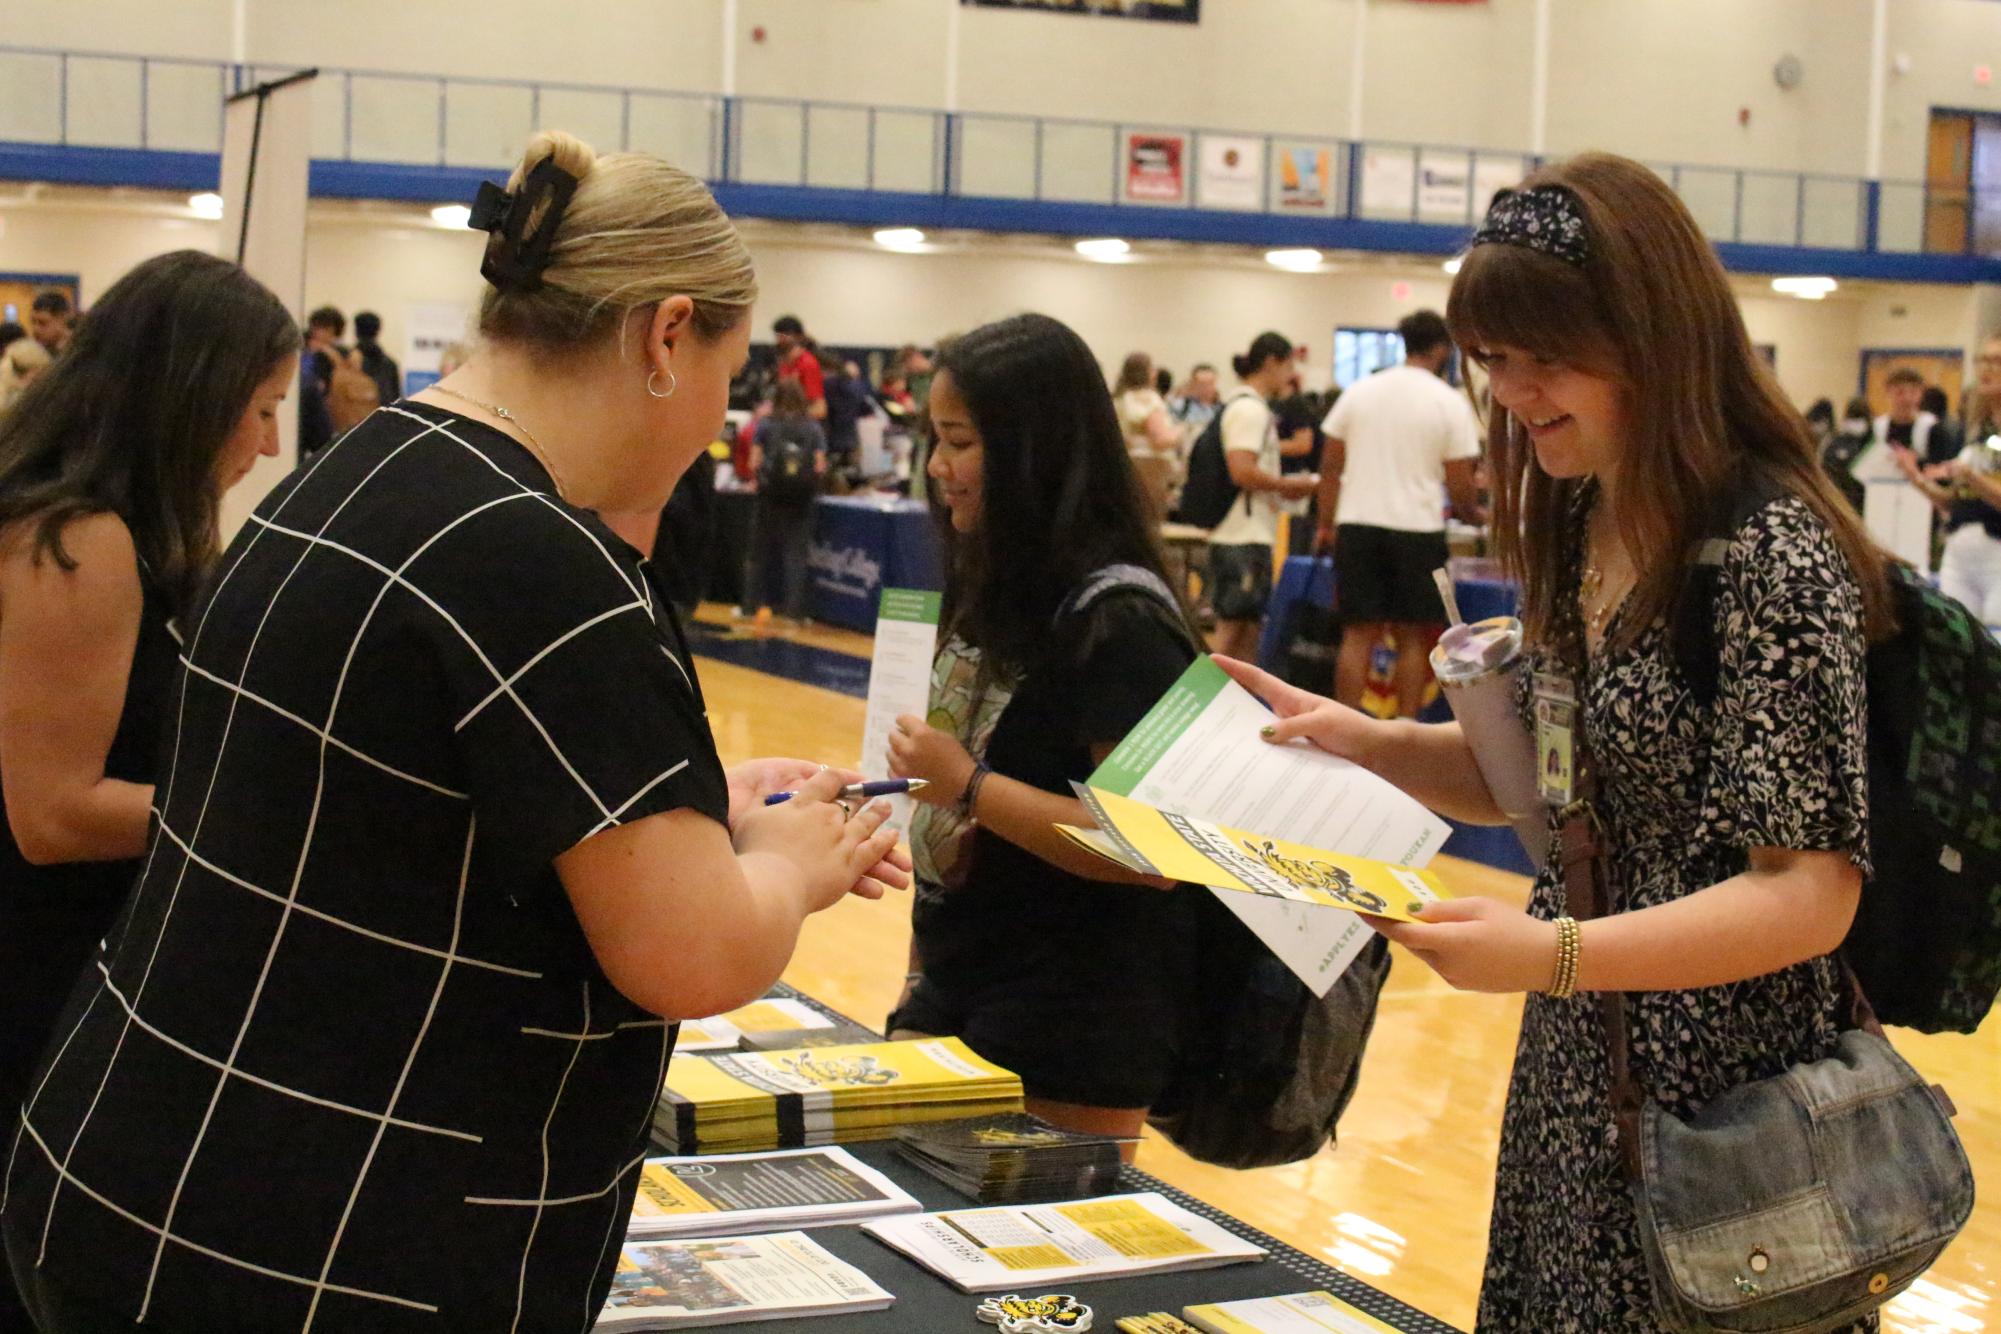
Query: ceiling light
(1809, 289)
(1456, 263)
(455, 216)
(907, 239)
(1294, 261)
(1106, 250)
(207, 205)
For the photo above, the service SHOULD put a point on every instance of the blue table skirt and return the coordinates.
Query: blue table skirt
(862, 545)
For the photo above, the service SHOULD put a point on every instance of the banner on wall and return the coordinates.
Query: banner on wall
(1233, 172)
(1156, 168)
(1168, 11)
(432, 327)
(1389, 181)
(1493, 175)
(1444, 191)
(1305, 179)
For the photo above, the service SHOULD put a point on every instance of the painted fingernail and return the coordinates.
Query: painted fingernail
(1268, 732)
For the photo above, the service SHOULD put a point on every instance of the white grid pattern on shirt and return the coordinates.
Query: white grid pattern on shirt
(402, 1077)
(83, 1188)
(165, 794)
(325, 736)
(169, 1040)
(393, 578)
(528, 1248)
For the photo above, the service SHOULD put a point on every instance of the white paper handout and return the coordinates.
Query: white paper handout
(1197, 753)
(899, 679)
(1028, 1248)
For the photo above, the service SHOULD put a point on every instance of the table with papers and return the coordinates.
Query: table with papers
(926, 1304)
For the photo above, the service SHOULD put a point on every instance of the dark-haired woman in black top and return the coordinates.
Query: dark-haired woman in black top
(111, 469)
(1059, 633)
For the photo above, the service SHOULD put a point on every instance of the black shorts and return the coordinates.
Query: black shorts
(1383, 575)
(1239, 581)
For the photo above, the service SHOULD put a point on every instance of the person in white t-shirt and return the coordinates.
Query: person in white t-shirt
(1397, 443)
(1240, 547)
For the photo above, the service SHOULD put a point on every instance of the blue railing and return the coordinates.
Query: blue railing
(415, 133)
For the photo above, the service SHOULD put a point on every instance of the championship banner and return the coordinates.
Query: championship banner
(1166, 11)
(1156, 168)
(1233, 172)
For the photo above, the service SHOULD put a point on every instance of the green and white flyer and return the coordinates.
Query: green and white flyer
(899, 679)
(1197, 753)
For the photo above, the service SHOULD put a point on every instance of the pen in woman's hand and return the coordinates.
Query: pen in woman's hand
(886, 787)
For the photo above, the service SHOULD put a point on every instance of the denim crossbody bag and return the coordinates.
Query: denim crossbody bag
(1788, 1205)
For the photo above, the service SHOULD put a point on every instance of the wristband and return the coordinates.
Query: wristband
(973, 784)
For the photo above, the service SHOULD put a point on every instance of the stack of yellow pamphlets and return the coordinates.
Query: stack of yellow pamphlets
(824, 1095)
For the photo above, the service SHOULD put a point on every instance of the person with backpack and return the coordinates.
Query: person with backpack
(377, 365)
(1058, 632)
(1710, 774)
(1236, 488)
(789, 459)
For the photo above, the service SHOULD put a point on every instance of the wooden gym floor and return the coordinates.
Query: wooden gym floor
(1402, 1202)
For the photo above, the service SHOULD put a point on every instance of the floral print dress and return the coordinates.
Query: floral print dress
(1779, 760)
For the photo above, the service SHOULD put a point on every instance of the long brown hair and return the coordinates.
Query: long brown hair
(1652, 309)
(131, 418)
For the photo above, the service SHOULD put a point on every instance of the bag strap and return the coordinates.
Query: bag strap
(1587, 894)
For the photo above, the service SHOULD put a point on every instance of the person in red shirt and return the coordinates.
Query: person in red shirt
(799, 360)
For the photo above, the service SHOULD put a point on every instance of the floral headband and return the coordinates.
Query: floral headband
(1548, 219)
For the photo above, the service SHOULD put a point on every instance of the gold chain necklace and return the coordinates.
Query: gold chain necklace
(534, 445)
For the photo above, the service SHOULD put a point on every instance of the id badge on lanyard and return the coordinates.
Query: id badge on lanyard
(1556, 722)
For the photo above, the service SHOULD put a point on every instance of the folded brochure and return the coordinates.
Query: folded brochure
(694, 1282)
(1150, 841)
(1048, 1246)
(1197, 753)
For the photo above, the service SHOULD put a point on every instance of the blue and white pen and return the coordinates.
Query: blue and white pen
(887, 787)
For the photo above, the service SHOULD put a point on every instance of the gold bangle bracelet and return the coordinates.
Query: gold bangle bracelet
(1569, 948)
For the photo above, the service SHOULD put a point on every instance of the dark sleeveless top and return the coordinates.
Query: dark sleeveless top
(51, 917)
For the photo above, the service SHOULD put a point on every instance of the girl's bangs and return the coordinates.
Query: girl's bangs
(1510, 296)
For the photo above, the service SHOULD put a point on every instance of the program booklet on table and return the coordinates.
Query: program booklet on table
(1193, 793)
(1025, 1247)
(753, 1192)
(700, 1281)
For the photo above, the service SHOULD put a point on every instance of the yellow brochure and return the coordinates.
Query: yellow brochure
(1300, 1313)
(1150, 841)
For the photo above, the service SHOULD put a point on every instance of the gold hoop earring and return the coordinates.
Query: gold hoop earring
(672, 385)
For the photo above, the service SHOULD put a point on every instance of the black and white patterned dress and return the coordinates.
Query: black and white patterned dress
(1780, 760)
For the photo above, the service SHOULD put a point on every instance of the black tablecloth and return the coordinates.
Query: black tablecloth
(927, 1304)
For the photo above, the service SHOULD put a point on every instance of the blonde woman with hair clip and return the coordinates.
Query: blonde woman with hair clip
(1629, 412)
(443, 845)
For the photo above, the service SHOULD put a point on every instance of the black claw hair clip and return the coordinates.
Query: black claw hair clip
(516, 257)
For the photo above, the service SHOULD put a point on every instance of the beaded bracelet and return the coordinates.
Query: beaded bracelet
(1569, 946)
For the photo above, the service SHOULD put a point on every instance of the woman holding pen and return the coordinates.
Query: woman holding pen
(443, 847)
(1629, 406)
(1059, 632)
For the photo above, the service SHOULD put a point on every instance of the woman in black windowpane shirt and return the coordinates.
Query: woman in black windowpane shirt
(443, 844)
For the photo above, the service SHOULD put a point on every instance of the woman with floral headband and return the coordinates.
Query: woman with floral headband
(1629, 410)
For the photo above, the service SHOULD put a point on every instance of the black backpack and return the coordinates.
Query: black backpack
(1208, 492)
(1926, 942)
(787, 474)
